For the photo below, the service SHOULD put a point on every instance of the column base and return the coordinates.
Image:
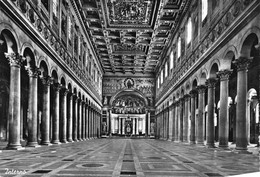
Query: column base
(84, 139)
(192, 142)
(64, 141)
(33, 144)
(80, 139)
(14, 147)
(46, 144)
(210, 146)
(200, 144)
(242, 151)
(70, 140)
(223, 146)
(75, 140)
(56, 142)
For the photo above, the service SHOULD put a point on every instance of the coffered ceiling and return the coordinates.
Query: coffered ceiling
(131, 36)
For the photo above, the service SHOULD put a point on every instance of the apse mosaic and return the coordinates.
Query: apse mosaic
(113, 85)
(128, 104)
(129, 11)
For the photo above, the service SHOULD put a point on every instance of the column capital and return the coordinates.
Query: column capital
(224, 74)
(181, 100)
(242, 63)
(201, 88)
(32, 71)
(186, 97)
(47, 80)
(65, 91)
(14, 59)
(193, 93)
(57, 87)
(211, 82)
(177, 103)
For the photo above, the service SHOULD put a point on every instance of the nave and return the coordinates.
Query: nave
(126, 157)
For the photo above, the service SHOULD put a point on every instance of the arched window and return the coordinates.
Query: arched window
(55, 7)
(166, 69)
(171, 60)
(189, 31)
(179, 48)
(204, 9)
(69, 27)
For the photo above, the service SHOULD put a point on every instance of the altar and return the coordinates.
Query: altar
(122, 124)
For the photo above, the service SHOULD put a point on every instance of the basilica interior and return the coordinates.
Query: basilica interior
(129, 87)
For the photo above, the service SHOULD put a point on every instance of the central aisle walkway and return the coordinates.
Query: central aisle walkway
(125, 157)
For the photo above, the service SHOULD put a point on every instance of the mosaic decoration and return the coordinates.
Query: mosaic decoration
(128, 104)
(113, 85)
(129, 11)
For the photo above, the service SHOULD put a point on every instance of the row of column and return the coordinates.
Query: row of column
(79, 122)
(180, 121)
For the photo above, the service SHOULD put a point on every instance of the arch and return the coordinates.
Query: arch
(54, 75)
(228, 56)
(187, 88)
(182, 92)
(70, 87)
(203, 77)
(213, 70)
(62, 76)
(44, 69)
(194, 83)
(10, 37)
(79, 94)
(63, 82)
(43, 59)
(247, 41)
(127, 90)
(29, 56)
(228, 50)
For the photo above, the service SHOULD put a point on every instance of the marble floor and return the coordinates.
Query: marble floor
(126, 157)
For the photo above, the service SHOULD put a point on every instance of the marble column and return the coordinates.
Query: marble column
(210, 128)
(64, 115)
(123, 126)
(176, 128)
(90, 123)
(137, 126)
(70, 118)
(186, 118)
(200, 120)
(45, 122)
(181, 120)
(170, 122)
(80, 120)
(56, 115)
(193, 94)
(75, 120)
(15, 61)
(33, 107)
(119, 126)
(87, 121)
(83, 121)
(173, 121)
(134, 132)
(149, 123)
(224, 112)
(241, 134)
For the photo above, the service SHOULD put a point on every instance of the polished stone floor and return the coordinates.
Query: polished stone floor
(126, 157)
